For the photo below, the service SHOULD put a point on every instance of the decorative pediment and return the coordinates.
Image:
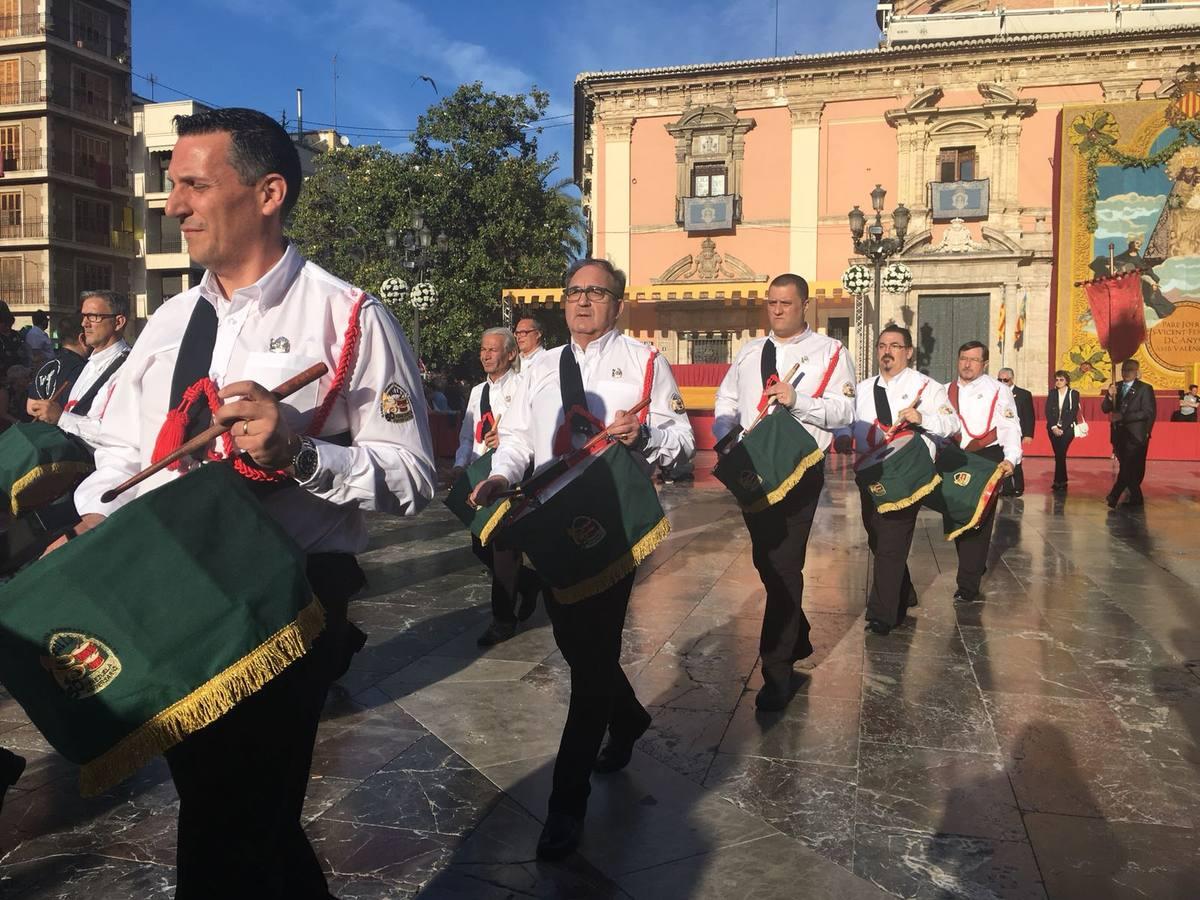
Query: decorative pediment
(708, 117)
(707, 265)
(957, 239)
(992, 92)
(926, 99)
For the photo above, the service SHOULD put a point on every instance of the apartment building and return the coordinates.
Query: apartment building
(66, 217)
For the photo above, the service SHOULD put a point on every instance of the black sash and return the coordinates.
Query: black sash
(485, 400)
(883, 409)
(767, 363)
(193, 363)
(84, 404)
(570, 382)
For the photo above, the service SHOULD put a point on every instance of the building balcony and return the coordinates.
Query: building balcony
(25, 161)
(23, 294)
(165, 245)
(23, 26)
(23, 94)
(22, 228)
(99, 111)
(101, 174)
(110, 240)
(85, 40)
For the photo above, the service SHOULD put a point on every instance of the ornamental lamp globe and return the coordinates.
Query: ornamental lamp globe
(858, 223)
(877, 198)
(900, 219)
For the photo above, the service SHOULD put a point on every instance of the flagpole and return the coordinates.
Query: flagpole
(1112, 270)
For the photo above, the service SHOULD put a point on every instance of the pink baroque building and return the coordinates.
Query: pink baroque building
(704, 181)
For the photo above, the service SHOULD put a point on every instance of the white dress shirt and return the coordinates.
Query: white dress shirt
(976, 415)
(901, 391)
(499, 397)
(613, 368)
(742, 387)
(87, 426)
(294, 316)
(533, 354)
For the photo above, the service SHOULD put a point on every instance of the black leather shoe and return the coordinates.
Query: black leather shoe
(961, 596)
(560, 836)
(497, 633)
(877, 627)
(777, 691)
(528, 604)
(617, 752)
(11, 767)
(1111, 501)
(1136, 501)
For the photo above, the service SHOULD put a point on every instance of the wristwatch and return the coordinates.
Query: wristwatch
(306, 461)
(643, 437)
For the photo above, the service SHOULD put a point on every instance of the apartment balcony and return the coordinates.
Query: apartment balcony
(110, 240)
(98, 110)
(39, 26)
(23, 294)
(27, 161)
(23, 94)
(95, 172)
(167, 254)
(23, 26)
(84, 40)
(22, 228)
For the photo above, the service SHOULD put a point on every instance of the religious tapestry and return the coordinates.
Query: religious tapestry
(1129, 202)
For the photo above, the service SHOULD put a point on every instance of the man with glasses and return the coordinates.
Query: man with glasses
(898, 395)
(1132, 408)
(987, 425)
(1014, 486)
(820, 396)
(105, 315)
(566, 395)
(530, 339)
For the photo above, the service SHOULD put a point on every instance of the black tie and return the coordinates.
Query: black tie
(883, 409)
(769, 367)
(570, 381)
(193, 363)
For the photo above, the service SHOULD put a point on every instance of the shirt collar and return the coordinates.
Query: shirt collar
(599, 345)
(794, 339)
(896, 379)
(103, 356)
(499, 381)
(267, 291)
(532, 353)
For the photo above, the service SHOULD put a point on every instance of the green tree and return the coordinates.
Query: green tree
(475, 173)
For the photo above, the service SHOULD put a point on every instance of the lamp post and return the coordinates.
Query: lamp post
(871, 243)
(416, 247)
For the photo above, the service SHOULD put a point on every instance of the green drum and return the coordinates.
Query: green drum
(768, 461)
(969, 485)
(39, 463)
(151, 626)
(594, 530)
(898, 473)
(482, 522)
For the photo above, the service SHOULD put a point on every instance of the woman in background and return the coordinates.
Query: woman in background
(1062, 412)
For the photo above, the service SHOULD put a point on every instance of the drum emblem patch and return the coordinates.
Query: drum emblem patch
(877, 489)
(395, 404)
(82, 664)
(749, 479)
(586, 532)
(962, 479)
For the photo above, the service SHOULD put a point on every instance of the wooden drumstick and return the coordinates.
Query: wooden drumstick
(58, 391)
(770, 406)
(898, 425)
(200, 441)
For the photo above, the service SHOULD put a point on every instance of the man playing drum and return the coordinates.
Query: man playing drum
(989, 427)
(487, 404)
(104, 314)
(564, 396)
(820, 397)
(887, 407)
(357, 440)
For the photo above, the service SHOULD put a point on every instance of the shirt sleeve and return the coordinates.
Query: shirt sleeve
(726, 412)
(389, 465)
(933, 419)
(466, 434)
(671, 438)
(1008, 426)
(833, 409)
(516, 432)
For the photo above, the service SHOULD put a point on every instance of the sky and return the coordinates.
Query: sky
(257, 52)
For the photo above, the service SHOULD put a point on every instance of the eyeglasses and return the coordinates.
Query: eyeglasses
(895, 348)
(1004, 380)
(94, 318)
(523, 331)
(593, 292)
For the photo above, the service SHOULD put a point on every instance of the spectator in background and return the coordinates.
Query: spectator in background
(531, 338)
(1014, 485)
(13, 396)
(1188, 401)
(41, 348)
(68, 362)
(434, 395)
(13, 350)
(1131, 405)
(1062, 412)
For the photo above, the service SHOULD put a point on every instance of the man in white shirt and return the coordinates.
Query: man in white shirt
(566, 395)
(357, 440)
(821, 398)
(514, 587)
(899, 394)
(104, 314)
(989, 426)
(41, 348)
(531, 340)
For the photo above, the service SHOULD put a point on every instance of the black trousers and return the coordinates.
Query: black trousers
(890, 536)
(779, 541)
(589, 635)
(241, 780)
(510, 579)
(1060, 443)
(1015, 483)
(973, 546)
(1131, 465)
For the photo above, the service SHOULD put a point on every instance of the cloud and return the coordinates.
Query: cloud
(1180, 275)
(1121, 215)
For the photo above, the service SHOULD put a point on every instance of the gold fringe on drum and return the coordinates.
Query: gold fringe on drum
(56, 471)
(981, 507)
(917, 497)
(205, 704)
(617, 570)
(485, 533)
(787, 484)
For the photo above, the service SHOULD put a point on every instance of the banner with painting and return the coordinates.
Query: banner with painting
(1130, 203)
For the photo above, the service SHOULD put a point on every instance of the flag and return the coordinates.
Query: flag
(1019, 330)
(1119, 313)
(1000, 327)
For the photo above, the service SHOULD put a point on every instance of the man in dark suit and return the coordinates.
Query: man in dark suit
(1131, 405)
(1014, 485)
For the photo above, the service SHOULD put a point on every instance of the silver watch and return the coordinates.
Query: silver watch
(306, 461)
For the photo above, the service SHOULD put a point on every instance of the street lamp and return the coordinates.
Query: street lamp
(416, 246)
(869, 241)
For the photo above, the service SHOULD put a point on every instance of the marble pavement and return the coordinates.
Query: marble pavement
(1040, 744)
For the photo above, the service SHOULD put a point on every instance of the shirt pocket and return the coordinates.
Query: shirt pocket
(615, 395)
(272, 369)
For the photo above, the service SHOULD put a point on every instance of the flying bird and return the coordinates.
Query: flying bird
(432, 83)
